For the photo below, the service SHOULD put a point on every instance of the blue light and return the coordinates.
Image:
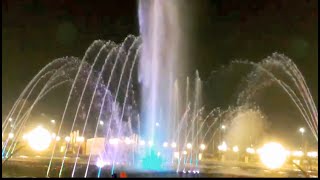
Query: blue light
(152, 161)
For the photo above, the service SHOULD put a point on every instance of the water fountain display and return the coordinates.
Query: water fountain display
(154, 120)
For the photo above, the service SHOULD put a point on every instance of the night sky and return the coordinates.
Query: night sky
(34, 32)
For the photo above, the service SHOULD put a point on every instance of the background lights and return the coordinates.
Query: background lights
(58, 138)
(173, 145)
(114, 141)
(250, 150)
(235, 149)
(223, 147)
(142, 142)
(67, 139)
(11, 135)
(202, 146)
(80, 139)
(127, 140)
(165, 144)
(297, 153)
(189, 146)
(273, 155)
(39, 139)
(313, 154)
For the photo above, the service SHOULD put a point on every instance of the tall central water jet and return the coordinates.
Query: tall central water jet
(159, 28)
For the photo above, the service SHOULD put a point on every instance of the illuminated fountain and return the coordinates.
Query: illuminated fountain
(171, 124)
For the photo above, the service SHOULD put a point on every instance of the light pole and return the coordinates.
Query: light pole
(302, 131)
(53, 122)
(223, 127)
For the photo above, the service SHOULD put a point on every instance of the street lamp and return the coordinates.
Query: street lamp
(53, 135)
(11, 135)
(301, 130)
(185, 152)
(58, 138)
(173, 145)
(235, 149)
(80, 139)
(127, 141)
(202, 146)
(10, 119)
(223, 147)
(250, 150)
(67, 139)
(165, 144)
(142, 142)
(223, 127)
(101, 123)
(189, 146)
(53, 121)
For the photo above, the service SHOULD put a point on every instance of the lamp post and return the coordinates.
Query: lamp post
(223, 127)
(302, 131)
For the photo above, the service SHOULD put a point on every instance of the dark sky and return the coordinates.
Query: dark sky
(34, 32)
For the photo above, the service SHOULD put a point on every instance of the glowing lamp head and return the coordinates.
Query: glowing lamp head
(142, 142)
(235, 149)
(273, 155)
(173, 145)
(114, 141)
(11, 135)
(25, 137)
(312, 154)
(250, 150)
(100, 163)
(80, 139)
(67, 139)
(202, 146)
(127, 141)
(39, 139)
(176, 155)
(223, 147)
(58, 138)
(53, 135)
(184, 152)
(297, 153)
(189, 146)
(165, 144)
(302, 130)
